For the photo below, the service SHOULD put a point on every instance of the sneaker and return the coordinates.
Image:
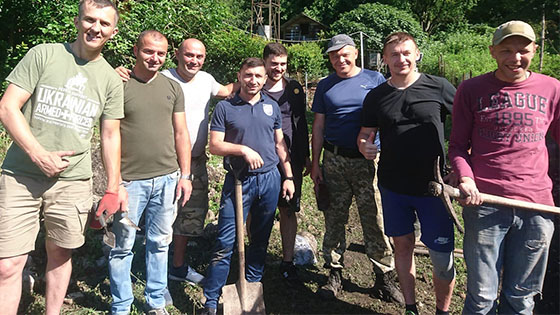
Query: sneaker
(208, 311)
(289, 273)
(185, 273)
(158, 311)
(386, 288)
(334, 285)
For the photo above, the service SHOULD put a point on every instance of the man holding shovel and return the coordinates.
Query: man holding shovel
(155, 144)
(409, 111)
(248, 126)
(497, 145)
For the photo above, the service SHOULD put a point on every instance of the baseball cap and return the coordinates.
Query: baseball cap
(512, 28)
(339, 41)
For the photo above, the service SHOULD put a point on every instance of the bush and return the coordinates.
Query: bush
(226, 49)
(306, 58)
(377, 21)
(551, 65)
(462, 53)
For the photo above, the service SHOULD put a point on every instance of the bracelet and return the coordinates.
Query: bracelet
(289, 178)
(188, 177)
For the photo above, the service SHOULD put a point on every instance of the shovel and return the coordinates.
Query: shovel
(108, 237)
(242, 297)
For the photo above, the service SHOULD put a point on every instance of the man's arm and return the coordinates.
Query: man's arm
(365, 140)
(459, 145)
(183, 149)
(220, 147)
(116, 196)
(316, 147)
(227, 90)
(50, 163)
(288, 186)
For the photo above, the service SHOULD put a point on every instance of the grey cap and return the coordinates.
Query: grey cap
(339, 41)
(513, 28)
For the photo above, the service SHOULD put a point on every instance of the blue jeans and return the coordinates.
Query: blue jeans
(260, 197)
(155, 199)
(511, 239)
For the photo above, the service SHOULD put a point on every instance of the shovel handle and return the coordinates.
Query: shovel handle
(240, 233)
(508, 202)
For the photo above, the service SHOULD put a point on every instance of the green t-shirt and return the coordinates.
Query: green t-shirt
(148, 143)
(68, 95)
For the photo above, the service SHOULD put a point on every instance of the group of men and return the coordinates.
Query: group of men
(154, 131)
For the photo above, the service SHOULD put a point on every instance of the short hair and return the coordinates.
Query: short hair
(252, 62)
(397, 38)
(152, 33)
(275, 49)
(98, 4)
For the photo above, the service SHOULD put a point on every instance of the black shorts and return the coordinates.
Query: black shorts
(294, 203)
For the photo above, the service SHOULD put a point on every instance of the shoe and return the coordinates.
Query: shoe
(208, 311)
(185, 273)
(409, 313)
(289, 273)
(158, 311)
(386, 288)
(334, 285)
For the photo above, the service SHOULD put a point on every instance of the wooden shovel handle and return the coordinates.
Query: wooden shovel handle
(240, 233)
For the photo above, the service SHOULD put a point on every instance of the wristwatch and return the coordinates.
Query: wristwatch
(188, 177)
(289, 178)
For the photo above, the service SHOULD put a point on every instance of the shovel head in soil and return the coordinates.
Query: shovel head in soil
(251, 303)
(243, 297)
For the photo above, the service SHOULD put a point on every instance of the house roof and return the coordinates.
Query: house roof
(298, 19)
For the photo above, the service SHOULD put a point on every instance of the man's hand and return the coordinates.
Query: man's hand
(451, 179)
(109, 204)
(252, 158)
(183, 191)
(367, 147)
(123, 72)
(472, 195)
(307, 169)
(123, 198)
(288, 189)
(316, 174)
(52, 163)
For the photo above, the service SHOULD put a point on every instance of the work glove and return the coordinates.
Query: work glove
(109, 204)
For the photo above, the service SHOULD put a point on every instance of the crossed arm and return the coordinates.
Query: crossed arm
(253, 159)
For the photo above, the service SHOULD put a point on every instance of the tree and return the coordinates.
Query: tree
(377, 21)
(435, 15)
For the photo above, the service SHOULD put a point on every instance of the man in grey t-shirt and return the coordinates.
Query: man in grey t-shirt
(53, 143)
(198, 87)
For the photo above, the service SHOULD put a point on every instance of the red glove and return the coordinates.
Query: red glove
(108, 204)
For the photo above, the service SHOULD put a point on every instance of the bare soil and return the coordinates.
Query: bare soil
(89, 291)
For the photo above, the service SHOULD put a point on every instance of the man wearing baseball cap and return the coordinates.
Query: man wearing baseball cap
(345, 172)
(497, 145)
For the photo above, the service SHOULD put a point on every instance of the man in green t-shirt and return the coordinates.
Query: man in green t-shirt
(155, 144)
(56, 94)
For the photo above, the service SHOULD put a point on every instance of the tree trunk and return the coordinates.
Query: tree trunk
(543, 27)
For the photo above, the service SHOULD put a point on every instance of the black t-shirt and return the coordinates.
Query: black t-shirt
(411, 126)
(294, 123)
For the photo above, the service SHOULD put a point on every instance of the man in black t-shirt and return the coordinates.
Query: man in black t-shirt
(409, 111)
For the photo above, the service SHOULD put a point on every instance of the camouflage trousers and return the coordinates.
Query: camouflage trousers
(347, 178)
(191, 217)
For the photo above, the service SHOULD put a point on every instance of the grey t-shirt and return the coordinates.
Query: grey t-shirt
(148, 143)
(68, 96)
